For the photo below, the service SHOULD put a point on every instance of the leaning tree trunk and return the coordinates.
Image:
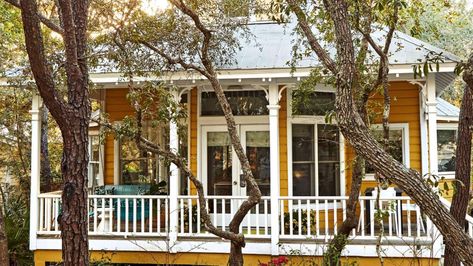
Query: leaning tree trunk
(359, 136)
(3, 240)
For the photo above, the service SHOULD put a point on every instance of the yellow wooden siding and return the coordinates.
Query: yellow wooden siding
(117, 107)
(404, 109)
(147, 257)
(283, 145)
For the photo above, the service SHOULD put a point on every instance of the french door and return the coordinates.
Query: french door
(221, 168)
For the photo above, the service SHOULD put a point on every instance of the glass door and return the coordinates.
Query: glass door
(222, 174)
(255, 140)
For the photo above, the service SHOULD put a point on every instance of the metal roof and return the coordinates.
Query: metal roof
(447, 111)
(272, 46)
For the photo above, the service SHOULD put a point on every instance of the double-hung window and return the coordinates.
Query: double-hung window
(138, 166)
(95, 171)
(398, 144)
(446, 147)
(315, 147)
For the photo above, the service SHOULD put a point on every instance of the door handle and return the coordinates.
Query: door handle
(242, 180)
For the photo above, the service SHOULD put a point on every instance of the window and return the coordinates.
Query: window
(95, 171)
(138, 166)
(446, 147)
(242, 103)
(397, 145)
(315, 103)
(315, 160)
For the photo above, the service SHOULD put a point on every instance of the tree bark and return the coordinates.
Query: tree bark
(359, 136)
(72, 116)
(461, 197)
(4, 261)
(74, 217)
(45, 163)
(338, 243)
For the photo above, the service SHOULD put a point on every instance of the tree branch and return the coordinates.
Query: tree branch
(173, 61)
(46, 21)
(313, 42)
(42, 72)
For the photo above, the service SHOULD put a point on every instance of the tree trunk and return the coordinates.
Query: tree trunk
(236, 255)
(72, 115)
(462, 172)
(359, 136)
(338, 243)
(74, 217)
(45, 163)
(3, 240)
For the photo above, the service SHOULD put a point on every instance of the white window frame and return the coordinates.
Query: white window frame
(259, 121)
(100, 162)
(117, 175)
(446, 126)
(311, 120)
(405, 144)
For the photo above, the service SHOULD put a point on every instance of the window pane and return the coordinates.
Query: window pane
(328, 160)
(257, 150)
(316, 103)
(303, 179)
(95, 145)
(303, 167)
(329, 179)
(446, 146)
(241, 102)
(302, 143)
(328, 140)
(139, 166)
(394, 145)
(219, 164)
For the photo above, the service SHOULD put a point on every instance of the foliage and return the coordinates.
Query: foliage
(448, 25)
(16, 215)
(279, 261)
(303, 222)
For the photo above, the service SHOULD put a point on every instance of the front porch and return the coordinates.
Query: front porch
(304, 225)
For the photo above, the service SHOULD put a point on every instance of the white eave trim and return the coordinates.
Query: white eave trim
(447, 119)
(400, 72)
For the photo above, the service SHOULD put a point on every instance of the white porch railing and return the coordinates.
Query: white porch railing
(297, 218)
(320, 217)
(111, 215)
(257, 224)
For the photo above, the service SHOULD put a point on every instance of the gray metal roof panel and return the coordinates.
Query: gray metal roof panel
(272, 48)
(446, 109)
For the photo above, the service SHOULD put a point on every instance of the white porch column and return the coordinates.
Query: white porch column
(431, 108)
(431, 105)
(35, 167)
(173, 185)
(274, 171)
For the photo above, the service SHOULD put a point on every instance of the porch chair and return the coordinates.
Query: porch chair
(391, 206)
(393, 210)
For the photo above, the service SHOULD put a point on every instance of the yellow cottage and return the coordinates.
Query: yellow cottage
(300, 162)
